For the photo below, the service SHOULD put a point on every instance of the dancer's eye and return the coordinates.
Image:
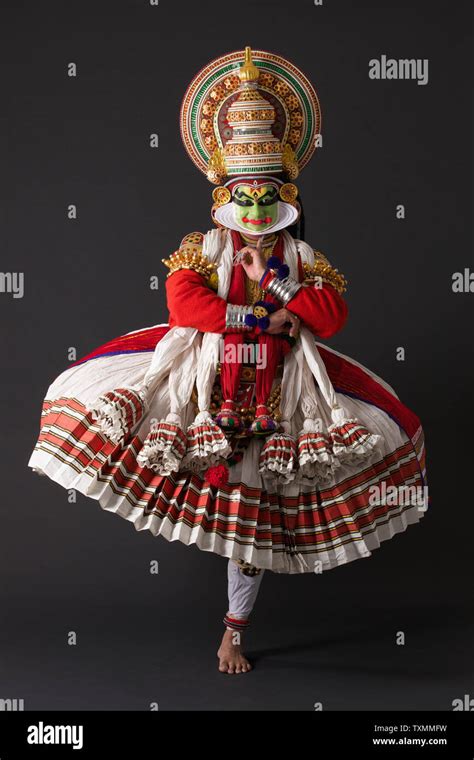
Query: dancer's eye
(243, 202)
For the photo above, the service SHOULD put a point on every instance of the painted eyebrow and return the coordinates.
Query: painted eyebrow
(241, 193)
(269, 194)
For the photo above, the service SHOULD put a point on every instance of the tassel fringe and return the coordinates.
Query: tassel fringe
(351, 441)
(278, 458)
(206, 444)
(118, 412)
(316, 460)
(163, 448)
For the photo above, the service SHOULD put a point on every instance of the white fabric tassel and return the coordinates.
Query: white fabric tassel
(217, 246)
(316, 459)
(165, 445)
(278, 458)
(206, 444)
(351, 441)
(118, 412)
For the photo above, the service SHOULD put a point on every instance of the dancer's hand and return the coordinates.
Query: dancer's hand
(253, 261)
(279, 319)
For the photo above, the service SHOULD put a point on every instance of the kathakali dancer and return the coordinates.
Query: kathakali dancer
(232, 427)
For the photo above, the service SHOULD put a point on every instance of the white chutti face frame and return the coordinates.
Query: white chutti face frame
(287, 215)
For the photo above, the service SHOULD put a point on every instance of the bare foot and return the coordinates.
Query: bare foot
(231, 659)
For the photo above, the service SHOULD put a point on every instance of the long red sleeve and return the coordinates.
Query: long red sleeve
(192, 303)
(323, 310)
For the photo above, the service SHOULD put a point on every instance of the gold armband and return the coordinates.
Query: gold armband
(324, 270)
(189, 256)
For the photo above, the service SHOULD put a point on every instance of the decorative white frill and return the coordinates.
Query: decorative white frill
(316, 457)
(118, 412)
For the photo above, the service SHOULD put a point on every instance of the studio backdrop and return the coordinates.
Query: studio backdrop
(96, 189)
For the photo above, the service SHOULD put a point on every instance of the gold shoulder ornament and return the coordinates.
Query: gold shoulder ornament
(323, 270)
(189, 256)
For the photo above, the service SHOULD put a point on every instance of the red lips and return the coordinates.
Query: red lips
(267, 220)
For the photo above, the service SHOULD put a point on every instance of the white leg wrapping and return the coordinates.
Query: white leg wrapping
(242, 591)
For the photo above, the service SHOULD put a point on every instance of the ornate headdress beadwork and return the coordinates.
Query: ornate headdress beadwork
(250, 113)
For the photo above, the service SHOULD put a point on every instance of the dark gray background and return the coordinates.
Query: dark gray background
(64, 566)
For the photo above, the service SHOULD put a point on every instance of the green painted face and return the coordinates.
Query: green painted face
(255, 208)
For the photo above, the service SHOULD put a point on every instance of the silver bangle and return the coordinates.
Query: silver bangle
(284, 290)
(235, 316)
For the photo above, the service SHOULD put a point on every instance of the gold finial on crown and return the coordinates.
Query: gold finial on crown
(248, 72)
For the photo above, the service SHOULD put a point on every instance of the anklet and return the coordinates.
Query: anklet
(235, 625)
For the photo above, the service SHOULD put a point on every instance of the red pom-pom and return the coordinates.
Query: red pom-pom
(218, 475)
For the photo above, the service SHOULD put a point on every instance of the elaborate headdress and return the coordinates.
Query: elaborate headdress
(251, 117)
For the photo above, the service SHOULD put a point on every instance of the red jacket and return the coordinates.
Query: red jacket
(192, 303)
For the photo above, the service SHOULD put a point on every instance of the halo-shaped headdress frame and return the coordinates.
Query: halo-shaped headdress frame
(203, 116)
